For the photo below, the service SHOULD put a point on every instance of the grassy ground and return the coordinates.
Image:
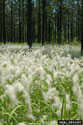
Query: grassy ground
(42, 86)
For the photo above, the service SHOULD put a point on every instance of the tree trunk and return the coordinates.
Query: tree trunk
(60, 37)
(23, 21)
(71, 31)
(59, 24)
(29, 23)
(39, 24)
(82, 31)
(68, 28)
(65, 34)
(14, 29)
(4, 33)
(0, 20)
(55, 27)
(76, 29)
(43, 22)
(19, 21)
(33, 16)
(46, 27)
(78, 21)
(49, 29)
(11, 21)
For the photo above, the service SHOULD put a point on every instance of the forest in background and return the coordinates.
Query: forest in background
(41, 21)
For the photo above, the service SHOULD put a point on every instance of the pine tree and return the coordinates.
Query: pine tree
(82, 31)
(29, 23)
(0, 20)
(11, 21)
(3, 16)
(39, 23)
(43, 21)
(19, 21)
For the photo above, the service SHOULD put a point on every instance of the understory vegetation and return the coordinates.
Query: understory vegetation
(41, 86)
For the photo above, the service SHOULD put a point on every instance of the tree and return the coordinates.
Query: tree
(14, 14)
(60, 37)
(55, 19)
(0, 20)
(82, 31)
(59, 23)
(39, 23)
(43, 21)
(3, 16)
(19, 21)
(78, 20)
(49, 31)
(23, 21)
(68, 26)
(11, 21)
(29, 23)
(33, 21)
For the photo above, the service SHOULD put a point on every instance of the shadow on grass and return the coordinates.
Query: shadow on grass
(74, 54)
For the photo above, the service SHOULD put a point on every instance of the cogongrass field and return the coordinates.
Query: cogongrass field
(41, 86)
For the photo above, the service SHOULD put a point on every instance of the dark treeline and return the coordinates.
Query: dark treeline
(41, 21)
